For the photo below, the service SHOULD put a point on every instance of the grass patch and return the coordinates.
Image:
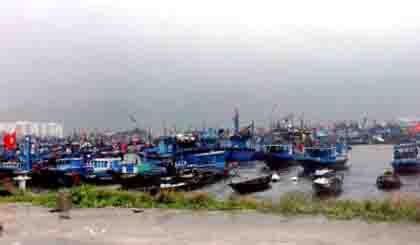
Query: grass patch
(393, 209)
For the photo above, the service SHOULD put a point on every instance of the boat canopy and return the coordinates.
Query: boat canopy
(278, 148)
(320, 151)
(406, 146)
(406, 151)
(131, 158)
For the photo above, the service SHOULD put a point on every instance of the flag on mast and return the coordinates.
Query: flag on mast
(9, 141)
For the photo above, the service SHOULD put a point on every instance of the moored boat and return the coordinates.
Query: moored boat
(279, 156)
(388, 180)
(327, 181)
(315, 158)
(406, 159)
(252, 184)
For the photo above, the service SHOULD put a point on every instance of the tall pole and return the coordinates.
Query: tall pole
(164, 128)
(271, 116)
(236, 120)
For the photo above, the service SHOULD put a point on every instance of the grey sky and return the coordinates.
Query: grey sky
(91, 63)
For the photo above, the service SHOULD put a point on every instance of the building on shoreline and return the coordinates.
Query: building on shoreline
(38, 129)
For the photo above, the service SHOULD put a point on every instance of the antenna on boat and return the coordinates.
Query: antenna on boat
(164, 128)
(273, 109)
(149, 136)
(134, 120)
(236, 120)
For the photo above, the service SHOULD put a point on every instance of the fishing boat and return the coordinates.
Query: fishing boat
(327, 181)
(238, 149)
(135, 172)
(10, 169)
(388, 180)
(61, 172)
(18, 162)
(252, 184)
(320, 157)
(171, 184)
(279, 156)
(406, 159)
(102, 169)
(213, 160)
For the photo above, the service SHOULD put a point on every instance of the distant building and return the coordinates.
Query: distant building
(39, 129)
(408, 122)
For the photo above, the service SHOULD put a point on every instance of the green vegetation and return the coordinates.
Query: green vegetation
(402, 209)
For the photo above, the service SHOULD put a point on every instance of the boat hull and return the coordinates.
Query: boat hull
(278, 161)
(406, 167)
(55, 179)
(388, 182)
(240, 155)
(255, 185)
(311, 165)
(6, 173)
(334, 189)
(138, 181)
(328, 185)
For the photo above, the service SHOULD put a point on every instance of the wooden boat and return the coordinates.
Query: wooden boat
(327, 181)
(252, 185)
(388, 180)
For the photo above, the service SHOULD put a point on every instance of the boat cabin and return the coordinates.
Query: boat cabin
(103, 164)
(283, 148)
(320, 152)
(69, 163)
(406, 151)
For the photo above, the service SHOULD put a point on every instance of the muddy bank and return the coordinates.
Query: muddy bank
(26, 224)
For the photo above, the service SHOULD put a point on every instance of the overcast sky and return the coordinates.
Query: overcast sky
(91, 63)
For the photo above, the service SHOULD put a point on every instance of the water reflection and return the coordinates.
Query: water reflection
(367, 162)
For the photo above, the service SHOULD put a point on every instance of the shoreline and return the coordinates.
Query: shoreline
(400, 208)
(28, 224)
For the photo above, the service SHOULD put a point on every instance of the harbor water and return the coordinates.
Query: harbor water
(367, 162)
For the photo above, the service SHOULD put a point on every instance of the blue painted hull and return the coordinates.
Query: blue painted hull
(259, 156)
(276, 161)
(312, 164)
(209, 160)
(6, 173)
(240, 155)
(406, 165)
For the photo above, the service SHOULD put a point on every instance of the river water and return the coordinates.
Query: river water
(367, 162)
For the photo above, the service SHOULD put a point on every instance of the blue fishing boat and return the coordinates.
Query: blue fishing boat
(18, 162)
(279, 155)
(102, 168)
(320, 157)
(406, 159)
(184, 151)
(213, 160)
(61, 172)
(135, 172)
(238, 149)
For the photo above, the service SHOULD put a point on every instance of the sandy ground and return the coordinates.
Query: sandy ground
(24, 224)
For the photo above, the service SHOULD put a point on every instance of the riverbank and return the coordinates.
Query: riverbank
(28, 224)
(396, 209)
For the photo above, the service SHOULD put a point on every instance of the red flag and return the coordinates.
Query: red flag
(417, 128)
(124, 148)
(9, 141)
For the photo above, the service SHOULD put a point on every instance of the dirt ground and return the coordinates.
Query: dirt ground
(28, 225)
